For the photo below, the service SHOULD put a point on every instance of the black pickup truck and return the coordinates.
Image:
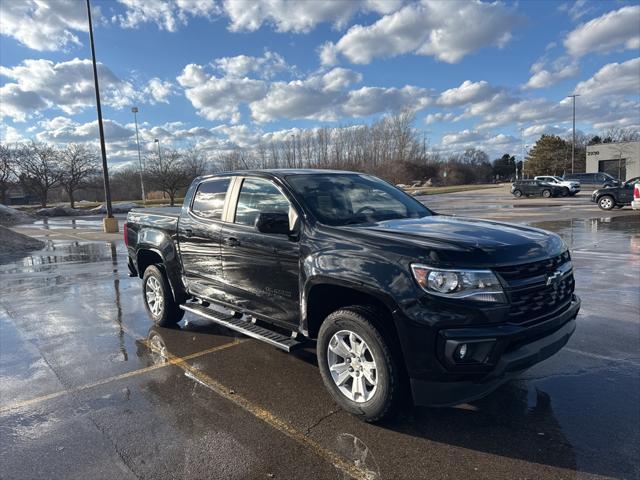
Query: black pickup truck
(392, 294)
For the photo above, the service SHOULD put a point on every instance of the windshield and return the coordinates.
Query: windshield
(348, 199)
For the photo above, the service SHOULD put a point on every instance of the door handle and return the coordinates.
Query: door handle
(188, 232)
(232, 242)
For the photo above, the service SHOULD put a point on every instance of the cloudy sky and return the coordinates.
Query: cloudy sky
(225, 73)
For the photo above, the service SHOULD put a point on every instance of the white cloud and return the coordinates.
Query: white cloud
(63, 130)
(613, 79)
(463, 137)
(68, 86)
(370, 100)
(317, 97)
(616, 29)
(543, 76)
(45, 24)
(299, 16)
(537, 130)
(467, 92)
(159, 90)
(266, 66)
(219, 98)
(438, 117)
(447, 31)
(168, 15)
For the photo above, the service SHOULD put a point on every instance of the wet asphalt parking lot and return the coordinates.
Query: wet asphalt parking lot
(89, 390)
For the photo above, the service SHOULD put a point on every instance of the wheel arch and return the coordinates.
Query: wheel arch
(324, 296)
(147, 256)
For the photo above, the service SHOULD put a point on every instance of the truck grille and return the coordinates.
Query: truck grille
(530, 297)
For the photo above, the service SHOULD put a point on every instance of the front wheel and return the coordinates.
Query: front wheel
(606, 202)
(517, 193)
(546, 193)
(565, 192)
(357, 365)
(158, 299)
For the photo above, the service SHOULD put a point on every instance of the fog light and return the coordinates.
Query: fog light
(462, 351)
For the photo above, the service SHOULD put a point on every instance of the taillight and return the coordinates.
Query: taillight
(636, 192)
(126, 236)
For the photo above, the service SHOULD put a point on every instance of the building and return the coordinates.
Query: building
(621, 160)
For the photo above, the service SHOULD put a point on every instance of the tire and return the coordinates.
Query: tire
(606, 202)
(158, 299)
(517, 193)
(366, 324)
(565, 192)
(546, 193)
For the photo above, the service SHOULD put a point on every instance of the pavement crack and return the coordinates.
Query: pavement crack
(320, 420)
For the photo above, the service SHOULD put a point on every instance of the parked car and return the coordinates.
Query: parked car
(599, 179)
(389, 290)
(635, 204)
(537, 188)
(572, 186)
(610, 197)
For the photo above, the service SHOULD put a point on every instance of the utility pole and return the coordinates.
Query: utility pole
(573, 143)
(109, 223)
(135, 119)
(521, 154)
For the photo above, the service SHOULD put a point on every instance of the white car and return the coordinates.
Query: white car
(635, 203)
(572, 186)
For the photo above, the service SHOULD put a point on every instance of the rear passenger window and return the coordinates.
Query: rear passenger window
(209, 199)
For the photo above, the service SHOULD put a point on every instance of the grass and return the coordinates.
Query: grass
(449, 189)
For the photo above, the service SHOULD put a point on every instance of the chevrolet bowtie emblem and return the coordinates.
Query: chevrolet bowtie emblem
(554, 278)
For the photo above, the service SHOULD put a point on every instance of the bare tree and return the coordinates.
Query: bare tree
(39, 170)
(77, 163)
(168, 173)
(7, 170)
(195, 163)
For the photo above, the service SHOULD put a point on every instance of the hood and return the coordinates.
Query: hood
(465, 242)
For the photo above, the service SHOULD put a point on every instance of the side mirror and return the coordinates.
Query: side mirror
(274, 223)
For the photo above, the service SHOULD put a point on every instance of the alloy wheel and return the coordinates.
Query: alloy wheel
(352, 366)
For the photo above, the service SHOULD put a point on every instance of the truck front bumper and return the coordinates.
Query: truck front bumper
(515, 350)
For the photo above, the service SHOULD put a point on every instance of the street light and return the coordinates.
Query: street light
(135, 119)
(573, 144)
(109, 224)
(157, 142)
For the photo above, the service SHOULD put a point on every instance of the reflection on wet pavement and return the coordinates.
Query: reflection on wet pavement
(92, 222)
(88, 390)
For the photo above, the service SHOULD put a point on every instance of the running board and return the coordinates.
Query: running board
(246, 328)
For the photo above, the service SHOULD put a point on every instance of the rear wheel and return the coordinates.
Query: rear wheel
(357, 365)
(158, 299)
(517, 193)
(606, 202)
(546, 193)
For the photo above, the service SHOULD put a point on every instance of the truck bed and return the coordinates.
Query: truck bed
(163, 218)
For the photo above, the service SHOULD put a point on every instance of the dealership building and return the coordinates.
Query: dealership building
(621, 160)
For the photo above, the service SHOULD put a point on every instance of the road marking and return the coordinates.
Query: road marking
(345, 466)
(173, 361)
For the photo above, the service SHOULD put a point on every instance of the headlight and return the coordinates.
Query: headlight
(479, 285)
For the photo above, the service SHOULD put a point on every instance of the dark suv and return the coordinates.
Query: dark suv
(610, 197)
(599, 179)
(537, 188)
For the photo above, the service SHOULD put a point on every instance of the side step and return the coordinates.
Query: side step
(246, 328)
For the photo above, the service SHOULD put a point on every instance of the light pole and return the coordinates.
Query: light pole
(109, 224)
(573, 143)
(522, 154)
(157, 142)
(135, 119)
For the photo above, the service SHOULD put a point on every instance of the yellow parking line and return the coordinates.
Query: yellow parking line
(172, 361)
(347, 467)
